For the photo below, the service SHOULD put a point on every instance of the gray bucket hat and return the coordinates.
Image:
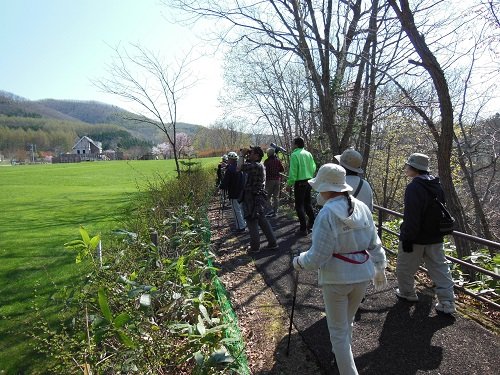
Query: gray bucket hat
(350, 159)
(419, 161)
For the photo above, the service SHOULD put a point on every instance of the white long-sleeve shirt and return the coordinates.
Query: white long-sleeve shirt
(336, 232)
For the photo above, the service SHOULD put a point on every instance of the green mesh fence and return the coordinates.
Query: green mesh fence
(237, 347)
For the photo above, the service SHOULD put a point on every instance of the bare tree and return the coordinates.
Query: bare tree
(324, 35)
(145, 79)
(270, 84)
(443, 131)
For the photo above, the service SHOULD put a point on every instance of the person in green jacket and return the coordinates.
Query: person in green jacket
(302, 169)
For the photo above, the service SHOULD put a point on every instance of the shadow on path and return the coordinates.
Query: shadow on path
(389, 336)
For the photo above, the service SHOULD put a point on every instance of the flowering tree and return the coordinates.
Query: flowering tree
(183, 147)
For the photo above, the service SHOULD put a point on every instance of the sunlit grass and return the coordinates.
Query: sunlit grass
(41, 208)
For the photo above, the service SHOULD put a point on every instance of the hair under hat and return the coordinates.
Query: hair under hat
(351, 159)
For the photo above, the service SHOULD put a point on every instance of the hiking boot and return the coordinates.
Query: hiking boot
(446, 307)
(409, 297)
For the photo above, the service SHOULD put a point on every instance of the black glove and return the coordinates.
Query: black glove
(407, 246)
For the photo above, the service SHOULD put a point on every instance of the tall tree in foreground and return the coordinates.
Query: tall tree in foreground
(145, 79)
(443, 131)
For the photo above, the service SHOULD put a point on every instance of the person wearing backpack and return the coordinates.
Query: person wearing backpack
(255, 198)
(351, 160)
(420, 238)
(233, 182)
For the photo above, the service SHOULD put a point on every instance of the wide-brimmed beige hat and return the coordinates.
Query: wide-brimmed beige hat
(350, 159)
(330, 177)
(419, 161)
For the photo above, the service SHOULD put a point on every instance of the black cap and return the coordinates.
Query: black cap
(258, 151)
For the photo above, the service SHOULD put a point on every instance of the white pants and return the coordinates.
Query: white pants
(435, 262)
(238, 215)
(341, 303)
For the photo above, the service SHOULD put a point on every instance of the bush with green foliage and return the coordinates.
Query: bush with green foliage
(149, 305)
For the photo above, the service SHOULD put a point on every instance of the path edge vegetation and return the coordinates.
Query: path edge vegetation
(153, 303)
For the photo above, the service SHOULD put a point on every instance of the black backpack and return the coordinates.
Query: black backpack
(438, 219)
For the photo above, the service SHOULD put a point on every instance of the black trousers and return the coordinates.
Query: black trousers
(302, 196)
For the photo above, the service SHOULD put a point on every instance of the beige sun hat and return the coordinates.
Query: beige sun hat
(330, 177)
(419, 161)
(350, 159)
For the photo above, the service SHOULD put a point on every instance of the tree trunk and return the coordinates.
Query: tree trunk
(445, 137)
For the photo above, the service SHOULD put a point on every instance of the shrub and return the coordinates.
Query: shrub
(151, 306)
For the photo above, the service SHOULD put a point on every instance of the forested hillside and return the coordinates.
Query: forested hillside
(53, 126)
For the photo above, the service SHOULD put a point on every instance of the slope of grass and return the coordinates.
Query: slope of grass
(42, 207)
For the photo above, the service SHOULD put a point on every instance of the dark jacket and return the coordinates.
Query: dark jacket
(233, 182)
(418, 227)
(254, 196)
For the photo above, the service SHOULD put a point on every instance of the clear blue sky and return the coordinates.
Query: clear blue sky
(53, 48)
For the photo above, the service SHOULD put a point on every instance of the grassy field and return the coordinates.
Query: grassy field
(42, 207)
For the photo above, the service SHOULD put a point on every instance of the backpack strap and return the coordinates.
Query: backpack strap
(443, 208)
(358, 189)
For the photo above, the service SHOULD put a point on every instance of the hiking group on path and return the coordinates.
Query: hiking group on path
(345, 248)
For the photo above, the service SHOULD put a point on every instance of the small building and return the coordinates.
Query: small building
(87, 148)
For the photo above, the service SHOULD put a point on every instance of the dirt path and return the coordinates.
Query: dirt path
(263, 320)
(390, 336)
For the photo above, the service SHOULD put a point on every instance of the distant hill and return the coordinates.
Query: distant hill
(89, 112)
(12, 105)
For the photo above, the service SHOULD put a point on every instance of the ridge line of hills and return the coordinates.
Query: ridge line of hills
(84, 112)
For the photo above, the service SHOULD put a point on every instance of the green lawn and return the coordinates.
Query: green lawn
(41, 208)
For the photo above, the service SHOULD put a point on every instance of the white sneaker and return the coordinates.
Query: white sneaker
(408, 297)
(446, 307)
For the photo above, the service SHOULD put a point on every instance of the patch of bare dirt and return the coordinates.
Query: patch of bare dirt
(263, 321)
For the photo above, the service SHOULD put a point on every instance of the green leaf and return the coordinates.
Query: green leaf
(99, 322)
(104, 305)
(200, 326)
(125, 340)
(126, 281)
(204, 312)
(199, 358)
(99, 335)
(221, 356)
(121, 319)
(85, 235)
(132, 293)
(94, 242)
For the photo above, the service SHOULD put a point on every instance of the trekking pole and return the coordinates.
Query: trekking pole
(296, 283)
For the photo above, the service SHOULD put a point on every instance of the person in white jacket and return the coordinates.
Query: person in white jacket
(347, 253)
